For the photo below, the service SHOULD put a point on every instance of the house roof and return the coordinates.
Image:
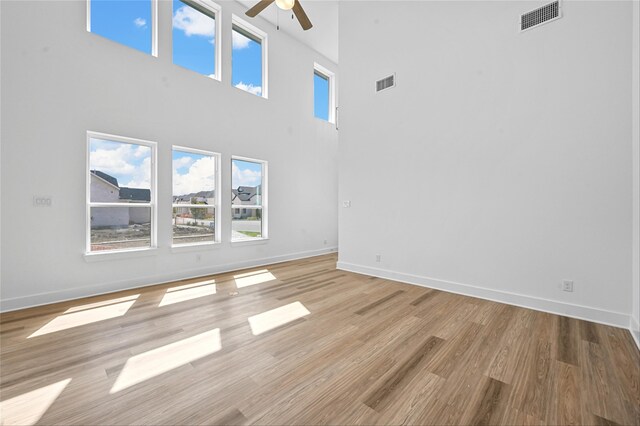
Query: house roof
(108, 178)
(135, 194)
(186, 198)
(246, 193)
(132, 194)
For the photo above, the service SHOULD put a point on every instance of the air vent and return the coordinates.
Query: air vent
(386, 83)
(547, 13)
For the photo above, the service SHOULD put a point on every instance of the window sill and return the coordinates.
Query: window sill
(186, 248)
(191, 71)
(249, 242)
(333, 123)
(120, 254)
(252, 94)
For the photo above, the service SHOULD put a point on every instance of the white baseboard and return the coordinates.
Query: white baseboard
(30, 301)
(616, 319)
(635, 330)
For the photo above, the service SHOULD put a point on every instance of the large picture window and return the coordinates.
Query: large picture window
(195, 197)
(121, 180)
(131, 22)
(196, 36)
(248, 199)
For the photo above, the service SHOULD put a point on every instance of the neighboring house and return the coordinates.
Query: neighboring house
(105, 189)
(246, 195)
(201, 198)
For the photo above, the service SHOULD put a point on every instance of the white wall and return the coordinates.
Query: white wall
(58, 81)
(499, 165)
(635, 321)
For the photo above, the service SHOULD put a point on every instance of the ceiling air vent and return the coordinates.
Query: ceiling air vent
(386, 83)
(546, 13)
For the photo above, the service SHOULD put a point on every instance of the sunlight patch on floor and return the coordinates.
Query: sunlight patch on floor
(155, 362)
(188, 292)
(277, 317)
(253, 278)
(101, 303)
(87, 314)
(28, 408)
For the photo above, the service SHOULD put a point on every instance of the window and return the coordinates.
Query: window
(195, 197)
(323, 93)
(196, 36)
(121, 180)
(248, 199)
(130, 22)
(249, 58)
(321, 96)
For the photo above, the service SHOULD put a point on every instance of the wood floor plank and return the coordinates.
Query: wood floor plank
(448, 359)
(511, 348)
(428, 294)
(602, 392)
(351, 349)
(402, 373)
(489, 405)
(366, 309)
(566, 411)
(568, 340)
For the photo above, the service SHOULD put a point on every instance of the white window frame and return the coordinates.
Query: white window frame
(217, 199)
(154, 26)
(151, 204)
(263, 36)
(331, 78)
(265, 199)
(215, 10)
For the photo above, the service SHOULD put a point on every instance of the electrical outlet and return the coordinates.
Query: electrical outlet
(346, 204)
(378, 257)
(42, 201)
(567, 285)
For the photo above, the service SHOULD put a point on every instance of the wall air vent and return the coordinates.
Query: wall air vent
(386, 83)
(546, 13)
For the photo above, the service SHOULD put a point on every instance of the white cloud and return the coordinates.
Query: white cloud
(140, 22)
(200, 177)
(141, 177)
(141, 151)
(244, 177)
(193, 22)
(240, 41)
(182, 162)
(123, 161)
(256, 90)
(113, 161)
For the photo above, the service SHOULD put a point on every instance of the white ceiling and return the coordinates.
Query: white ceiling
(323, 14)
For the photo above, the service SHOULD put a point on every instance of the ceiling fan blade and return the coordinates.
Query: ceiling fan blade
(259, 7)
(302, 17)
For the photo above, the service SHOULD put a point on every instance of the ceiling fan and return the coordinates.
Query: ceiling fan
(284, 5)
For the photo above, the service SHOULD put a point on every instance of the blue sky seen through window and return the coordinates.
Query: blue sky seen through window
(127, 22)
(194, 41)
(321, 96)
(245, 173)
(246, 63)
(192, 173)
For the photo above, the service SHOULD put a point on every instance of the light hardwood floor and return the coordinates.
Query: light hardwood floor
(304, 343)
